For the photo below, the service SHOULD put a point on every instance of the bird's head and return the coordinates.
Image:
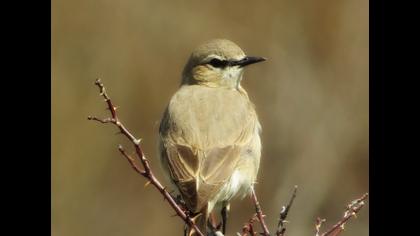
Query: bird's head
(217, 63)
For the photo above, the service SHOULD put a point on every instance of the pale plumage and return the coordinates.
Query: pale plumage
(209, 134)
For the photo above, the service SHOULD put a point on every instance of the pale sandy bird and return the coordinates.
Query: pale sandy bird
(210, 143)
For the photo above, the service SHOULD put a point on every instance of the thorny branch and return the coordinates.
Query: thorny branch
(248, 228)
(259, 212)
(147, 172)
(281, 228)
(352, 209)
(318, 225)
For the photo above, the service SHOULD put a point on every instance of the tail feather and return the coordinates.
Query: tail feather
(201, 221)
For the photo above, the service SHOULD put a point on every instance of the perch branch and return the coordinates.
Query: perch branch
(248, 228)
(281, 228)
(147, 172)
(352, 209)
(260, 214)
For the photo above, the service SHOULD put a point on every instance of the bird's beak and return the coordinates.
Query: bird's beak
(247, 61)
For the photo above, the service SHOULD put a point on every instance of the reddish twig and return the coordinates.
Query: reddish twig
(248, 228)
(352, 209)
(131, 161)
(281, 228)
(318, 225)
(259, 212)
(147, 172)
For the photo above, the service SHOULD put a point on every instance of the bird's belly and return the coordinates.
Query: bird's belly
(238, 185)
(244, 176)
(241, 180)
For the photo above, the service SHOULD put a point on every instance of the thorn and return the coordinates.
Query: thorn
(283, 209)
(137, 141)
(346, 214)
(147, 183)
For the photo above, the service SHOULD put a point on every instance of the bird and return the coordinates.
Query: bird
(209, 134)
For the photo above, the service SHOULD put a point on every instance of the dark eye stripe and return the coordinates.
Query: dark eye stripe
(218, 63)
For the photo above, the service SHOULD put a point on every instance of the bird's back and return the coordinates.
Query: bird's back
(204, 134)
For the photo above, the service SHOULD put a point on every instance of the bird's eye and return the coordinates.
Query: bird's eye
(218, 63)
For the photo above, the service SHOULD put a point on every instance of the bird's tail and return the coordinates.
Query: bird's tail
(201, 221)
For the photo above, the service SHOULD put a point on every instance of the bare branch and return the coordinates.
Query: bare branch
(352, 209)
(248, 228)
(318, 225)
(147, 172)
(259, 212)
(131, 161)
(103, 121)
(281, 228)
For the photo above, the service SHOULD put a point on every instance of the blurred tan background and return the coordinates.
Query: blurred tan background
(311, 96)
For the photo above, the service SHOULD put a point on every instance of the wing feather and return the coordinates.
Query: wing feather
(203, 144)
